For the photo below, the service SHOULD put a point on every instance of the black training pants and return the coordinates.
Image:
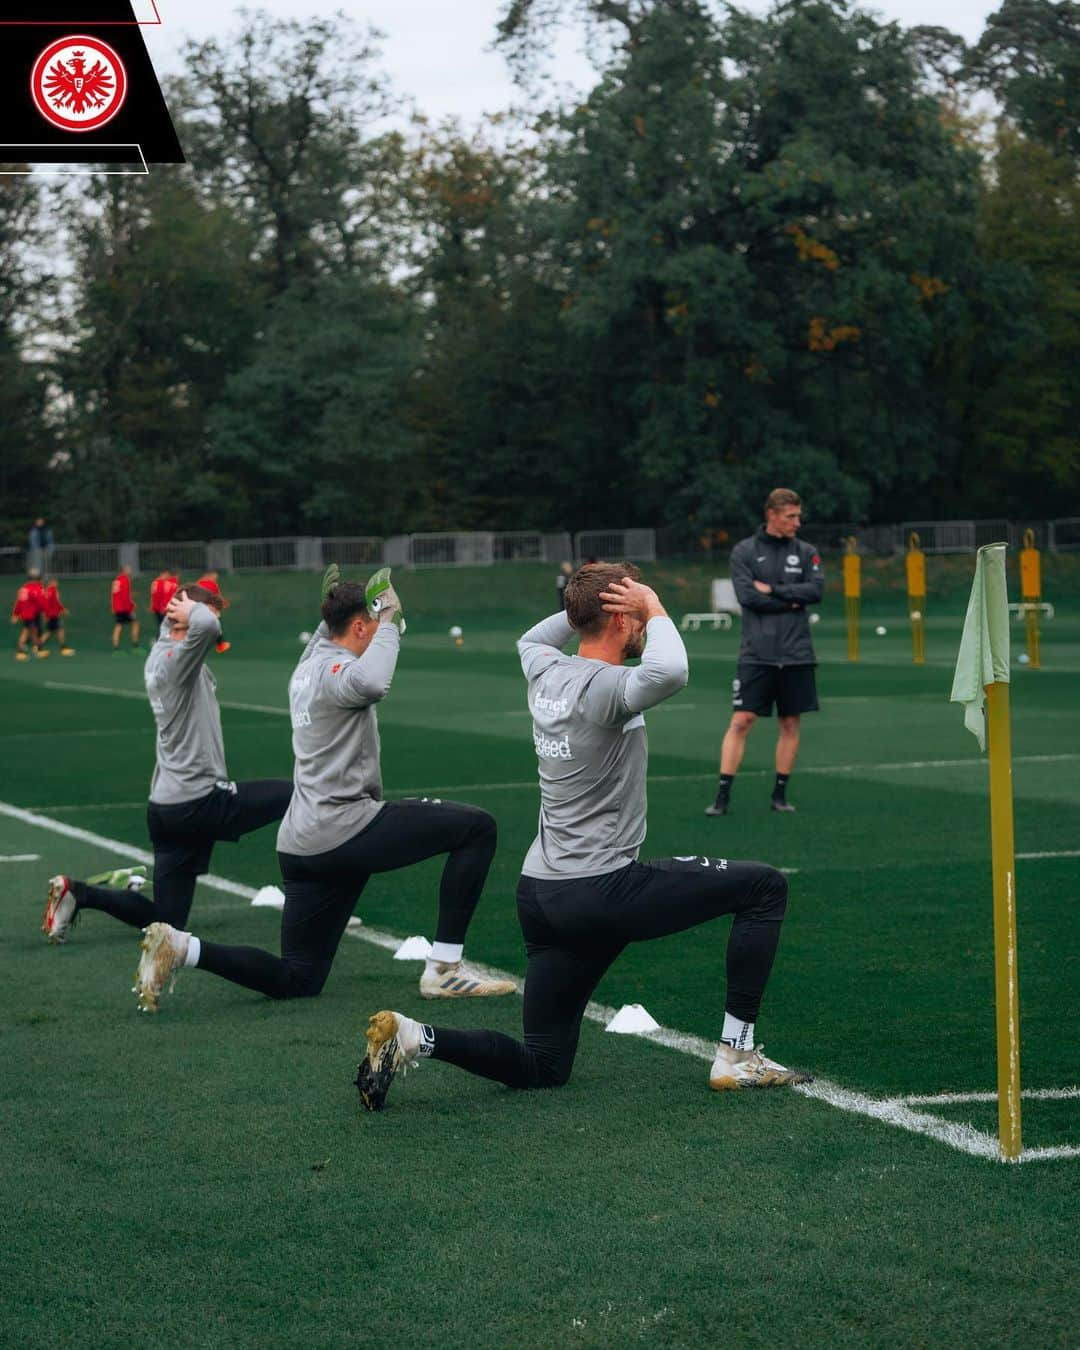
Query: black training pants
(575, 929)
(183, 837)
(322, 889)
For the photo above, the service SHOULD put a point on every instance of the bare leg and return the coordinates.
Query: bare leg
(135, 633)
(734, 746)
(116, 635)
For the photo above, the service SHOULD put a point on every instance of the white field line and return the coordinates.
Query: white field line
(141, 697)
(962, 1098)
(20, 857)
(1063, 853)
(890, 1111)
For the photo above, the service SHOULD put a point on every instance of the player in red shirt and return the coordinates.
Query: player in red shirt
(29, 602)
(210, 583)
(54, 610)
(123, 607)
(162, 590)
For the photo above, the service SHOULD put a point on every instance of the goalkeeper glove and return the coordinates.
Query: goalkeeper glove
(330, 579)
(382, 600)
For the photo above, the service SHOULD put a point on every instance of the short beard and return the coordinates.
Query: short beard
(634, 646)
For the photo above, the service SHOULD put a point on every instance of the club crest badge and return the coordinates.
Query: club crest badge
(78, 83)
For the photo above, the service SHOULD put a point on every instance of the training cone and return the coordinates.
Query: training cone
(631, 1020)
(413, 949)
(269, 897)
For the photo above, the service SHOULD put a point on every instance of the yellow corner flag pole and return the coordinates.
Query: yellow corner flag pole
(1031, 594)
(982, 675)
(852, 594)
(916, 585)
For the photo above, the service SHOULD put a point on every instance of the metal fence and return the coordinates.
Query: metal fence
(485, 548)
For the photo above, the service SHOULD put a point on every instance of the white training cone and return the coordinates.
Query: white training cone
(632, 1019)
(413, 949)
(269, 897)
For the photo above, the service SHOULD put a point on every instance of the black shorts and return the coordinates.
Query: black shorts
(756, 688)
(34, 625)
(184, 835)
(124, 616)
(52, 625)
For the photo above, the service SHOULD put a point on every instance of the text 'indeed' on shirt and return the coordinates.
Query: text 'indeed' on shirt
(591, 746)
(183, 699)
(337, 780)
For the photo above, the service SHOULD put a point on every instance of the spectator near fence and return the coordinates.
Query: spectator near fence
(39, 547)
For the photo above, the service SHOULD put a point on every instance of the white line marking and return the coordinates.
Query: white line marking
(20, 857)
(891, 1110)
(90, 806)
(141, 697)
(962, 1098)
(1064, 853)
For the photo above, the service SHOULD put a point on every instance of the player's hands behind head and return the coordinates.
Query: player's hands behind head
(633, 598)
(179, 609)
(382, 599)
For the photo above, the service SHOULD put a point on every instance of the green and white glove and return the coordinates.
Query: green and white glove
(382, 600)
(330, 579)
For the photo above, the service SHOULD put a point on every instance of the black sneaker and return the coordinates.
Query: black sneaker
(781, 804)
(720, 807)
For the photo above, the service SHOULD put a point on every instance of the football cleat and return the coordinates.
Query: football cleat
(67, 651)
(60, 910)
(42, 653)
(732, 1070)
(781, 804)
(720, 807)
(164, 951)
(21, 656)
(393, 1042)
(457, 980)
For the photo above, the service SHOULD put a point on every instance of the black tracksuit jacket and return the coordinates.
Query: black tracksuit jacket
(775, 628)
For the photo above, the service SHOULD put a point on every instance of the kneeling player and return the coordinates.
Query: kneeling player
(192, 801)
(583, 897)
(338, 831)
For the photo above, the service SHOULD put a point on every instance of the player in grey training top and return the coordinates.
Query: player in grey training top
(583, 896)
(193, 803)
(338, 830)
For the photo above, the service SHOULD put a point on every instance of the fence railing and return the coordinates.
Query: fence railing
(485, 548)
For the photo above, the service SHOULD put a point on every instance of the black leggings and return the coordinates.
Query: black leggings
(574, 930)
(321, 891)
(183, 837)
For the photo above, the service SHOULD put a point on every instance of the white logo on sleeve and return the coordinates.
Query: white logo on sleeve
(792, 560)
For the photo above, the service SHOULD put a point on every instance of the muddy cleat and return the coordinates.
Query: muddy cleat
(60, 910)
(164, 951)
(720, 807)
(457, 980)
(733, 1070)
(393, 1042)
(781, 804)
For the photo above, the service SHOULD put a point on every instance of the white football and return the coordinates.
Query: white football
(916, 615)
(815, 618)
(304, 639)
(455, 632)
(1023, 658)
(881, 630)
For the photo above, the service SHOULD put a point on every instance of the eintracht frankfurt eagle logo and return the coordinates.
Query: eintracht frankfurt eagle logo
(78, 83)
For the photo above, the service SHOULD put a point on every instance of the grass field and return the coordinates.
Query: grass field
(204, 1177)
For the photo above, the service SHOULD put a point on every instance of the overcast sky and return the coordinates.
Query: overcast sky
(436, 51)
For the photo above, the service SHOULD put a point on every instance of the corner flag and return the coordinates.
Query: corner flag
(982, 679)
(984, 646)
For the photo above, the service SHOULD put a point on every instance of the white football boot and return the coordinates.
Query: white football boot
(733, 1070)
(454, 979)
(164, 950)
(394, 1042)
(61, 910)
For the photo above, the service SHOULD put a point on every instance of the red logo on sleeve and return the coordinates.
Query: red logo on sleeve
(335, 668)
(816, 559)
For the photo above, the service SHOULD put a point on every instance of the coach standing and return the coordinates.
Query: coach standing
(776, 576)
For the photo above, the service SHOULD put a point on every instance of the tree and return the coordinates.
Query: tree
(279, 128)
(165, 304)
(1029, 57)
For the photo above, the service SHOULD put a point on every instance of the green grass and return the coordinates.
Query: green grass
(204, 1178)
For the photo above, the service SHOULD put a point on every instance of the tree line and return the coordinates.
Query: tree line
(807, 248)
